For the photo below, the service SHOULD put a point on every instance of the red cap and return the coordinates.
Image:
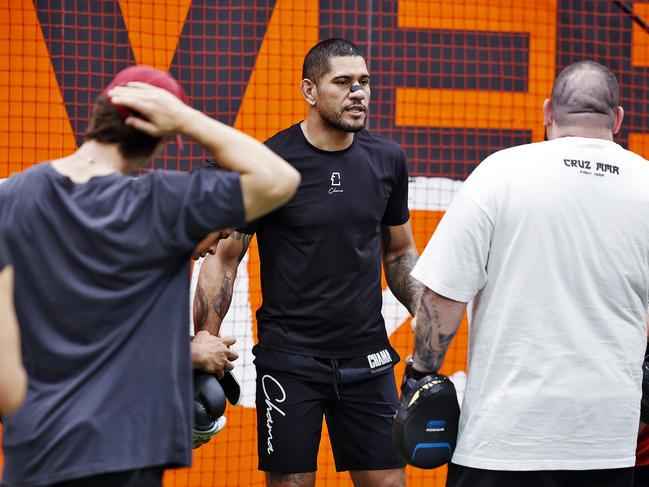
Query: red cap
(149, 75)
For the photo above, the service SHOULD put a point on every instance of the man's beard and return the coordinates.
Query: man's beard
(337, 122)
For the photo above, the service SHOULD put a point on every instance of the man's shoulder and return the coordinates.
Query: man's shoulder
(531, 148)
(29, 176)
(513, 155)
(372, 141)
(283, 139)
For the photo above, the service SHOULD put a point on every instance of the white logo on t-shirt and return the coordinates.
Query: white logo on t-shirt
(335, 181)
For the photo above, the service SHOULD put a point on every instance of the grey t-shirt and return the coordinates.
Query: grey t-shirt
(102, 297)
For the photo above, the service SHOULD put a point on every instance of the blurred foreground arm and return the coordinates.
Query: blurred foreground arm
(13, 380)
(267, 181)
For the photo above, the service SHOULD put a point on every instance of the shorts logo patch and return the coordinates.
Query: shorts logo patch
(379, 358)
(272, 388)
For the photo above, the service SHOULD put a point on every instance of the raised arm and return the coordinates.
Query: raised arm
(13, 380)
(267, 181)
(399, 257)
(216, 282)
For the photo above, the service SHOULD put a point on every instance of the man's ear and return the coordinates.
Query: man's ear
(308, 89)
(617, 119)
(548, 113)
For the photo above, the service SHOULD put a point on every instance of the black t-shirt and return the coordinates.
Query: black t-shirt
(102, 298)
(320, 253)
(4, 256)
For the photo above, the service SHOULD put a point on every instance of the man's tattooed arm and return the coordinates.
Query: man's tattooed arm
(218, 272)
(201, 308)
(399, 257)
(438, 319)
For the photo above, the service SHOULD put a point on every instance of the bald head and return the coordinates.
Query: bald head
(585, 93)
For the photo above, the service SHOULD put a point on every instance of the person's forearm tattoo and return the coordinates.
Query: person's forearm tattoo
(245, 243)
(200, 308)
(221, 302)
(405, 288)
(431, 340)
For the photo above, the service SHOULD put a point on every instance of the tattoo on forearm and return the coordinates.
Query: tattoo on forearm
(200, 308)
(431, 340)
(245, 243)
(221, 302)
(288, 478)
(406, 288)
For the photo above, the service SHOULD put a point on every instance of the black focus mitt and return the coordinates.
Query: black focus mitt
(424, 432)
(644, 404)
(209, 406)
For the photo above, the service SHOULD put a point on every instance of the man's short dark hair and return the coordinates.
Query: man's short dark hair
(316, 62)
(107, 127)
(582, 88)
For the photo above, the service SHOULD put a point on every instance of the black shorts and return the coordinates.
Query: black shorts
(294, 392)
(460, 476)
(641, 476)
(144, 477)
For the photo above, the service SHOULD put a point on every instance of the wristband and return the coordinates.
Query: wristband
(413, 373)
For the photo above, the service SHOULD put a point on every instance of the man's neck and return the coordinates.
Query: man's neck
(589, 127)
(93, 159)
(323, 136)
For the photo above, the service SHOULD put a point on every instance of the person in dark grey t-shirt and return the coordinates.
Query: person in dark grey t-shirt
(13, 380)
(101, 265)
(323, 349)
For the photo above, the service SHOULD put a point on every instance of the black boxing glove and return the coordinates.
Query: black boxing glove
(209, 406)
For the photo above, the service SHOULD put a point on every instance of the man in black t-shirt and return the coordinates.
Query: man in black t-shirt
(13, 381)
(101, 265)
(323, 348)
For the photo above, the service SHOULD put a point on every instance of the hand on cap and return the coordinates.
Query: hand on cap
(163, 112)
(212, 354)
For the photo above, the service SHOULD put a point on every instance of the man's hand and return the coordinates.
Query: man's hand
(212, 354)
(162, 113)
(411, 376)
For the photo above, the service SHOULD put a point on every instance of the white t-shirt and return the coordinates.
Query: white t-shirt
(550, 243)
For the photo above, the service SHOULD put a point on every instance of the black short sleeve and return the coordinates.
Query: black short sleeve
(396, 212)
(249, 228)
(4, 255)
